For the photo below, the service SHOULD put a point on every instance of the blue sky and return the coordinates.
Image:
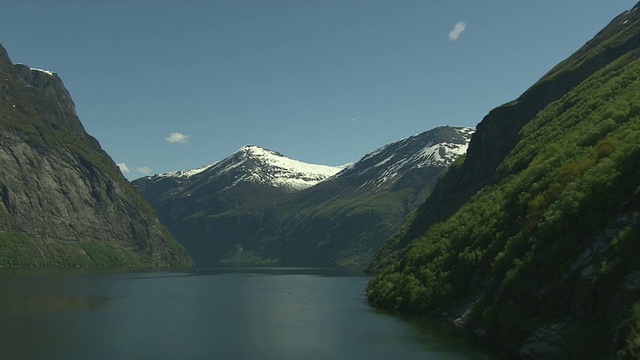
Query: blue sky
(172, 85)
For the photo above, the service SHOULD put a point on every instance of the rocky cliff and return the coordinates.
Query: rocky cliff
(64, 201)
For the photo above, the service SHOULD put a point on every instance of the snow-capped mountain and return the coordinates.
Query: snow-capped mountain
(436, 148)
(258, 206)
(249, 164)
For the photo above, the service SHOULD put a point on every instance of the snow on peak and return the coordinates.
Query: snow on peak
(439, 147)
(280, 171)
(259, 165)
(185, 174)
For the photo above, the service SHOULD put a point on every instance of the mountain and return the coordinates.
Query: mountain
(259, 207)
(344, 219)
(385, 167)
(213, 208)
(531, 239)
(248, 165)
(64, 201)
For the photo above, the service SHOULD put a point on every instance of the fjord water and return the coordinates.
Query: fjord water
(250, 313)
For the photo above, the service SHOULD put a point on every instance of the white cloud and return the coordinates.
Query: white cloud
(457, 30)
(144, 170)
(123, 167)
(176, 137)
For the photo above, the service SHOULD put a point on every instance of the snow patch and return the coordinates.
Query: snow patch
(48, 72)
(281, 171)
(395, 161)
(185, 174)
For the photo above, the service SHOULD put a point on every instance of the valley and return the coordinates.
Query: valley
(522, 232)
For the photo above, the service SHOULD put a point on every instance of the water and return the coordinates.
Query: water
(267, 313)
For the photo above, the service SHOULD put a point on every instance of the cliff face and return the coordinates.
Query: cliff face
(64, 201)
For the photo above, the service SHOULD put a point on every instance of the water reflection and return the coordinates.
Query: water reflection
(45, 291)
(21, 303)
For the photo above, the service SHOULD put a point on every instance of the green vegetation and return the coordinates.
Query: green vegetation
(239, 256)
(631, 349)
(18, 250)
(554, 238)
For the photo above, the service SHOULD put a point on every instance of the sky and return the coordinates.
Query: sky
(169, 85)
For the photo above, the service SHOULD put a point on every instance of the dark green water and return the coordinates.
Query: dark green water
(272, 313)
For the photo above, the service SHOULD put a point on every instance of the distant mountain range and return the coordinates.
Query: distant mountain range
(259, 207)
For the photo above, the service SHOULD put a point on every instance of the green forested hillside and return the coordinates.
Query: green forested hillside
(543, 257)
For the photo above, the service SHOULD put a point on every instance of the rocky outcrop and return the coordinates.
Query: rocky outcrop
(64, 201)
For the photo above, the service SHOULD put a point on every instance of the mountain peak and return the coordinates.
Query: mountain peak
(258, 151)
(254, 164)
(436, 148)
(272, 168)
(251, 148)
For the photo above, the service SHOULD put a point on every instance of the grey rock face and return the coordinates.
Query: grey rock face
(64, 202)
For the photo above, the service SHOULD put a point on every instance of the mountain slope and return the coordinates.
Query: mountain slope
(212, 209)
(256, 206)
(64, 201)
(383, 167)
(529, 239)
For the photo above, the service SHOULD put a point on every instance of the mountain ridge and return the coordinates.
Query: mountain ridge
(284, 172)
(257, 216)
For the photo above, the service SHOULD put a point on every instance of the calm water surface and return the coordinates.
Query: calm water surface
(266, 313)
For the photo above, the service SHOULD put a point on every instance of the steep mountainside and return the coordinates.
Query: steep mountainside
(532, 239)
(64, 201)
(257, 206)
